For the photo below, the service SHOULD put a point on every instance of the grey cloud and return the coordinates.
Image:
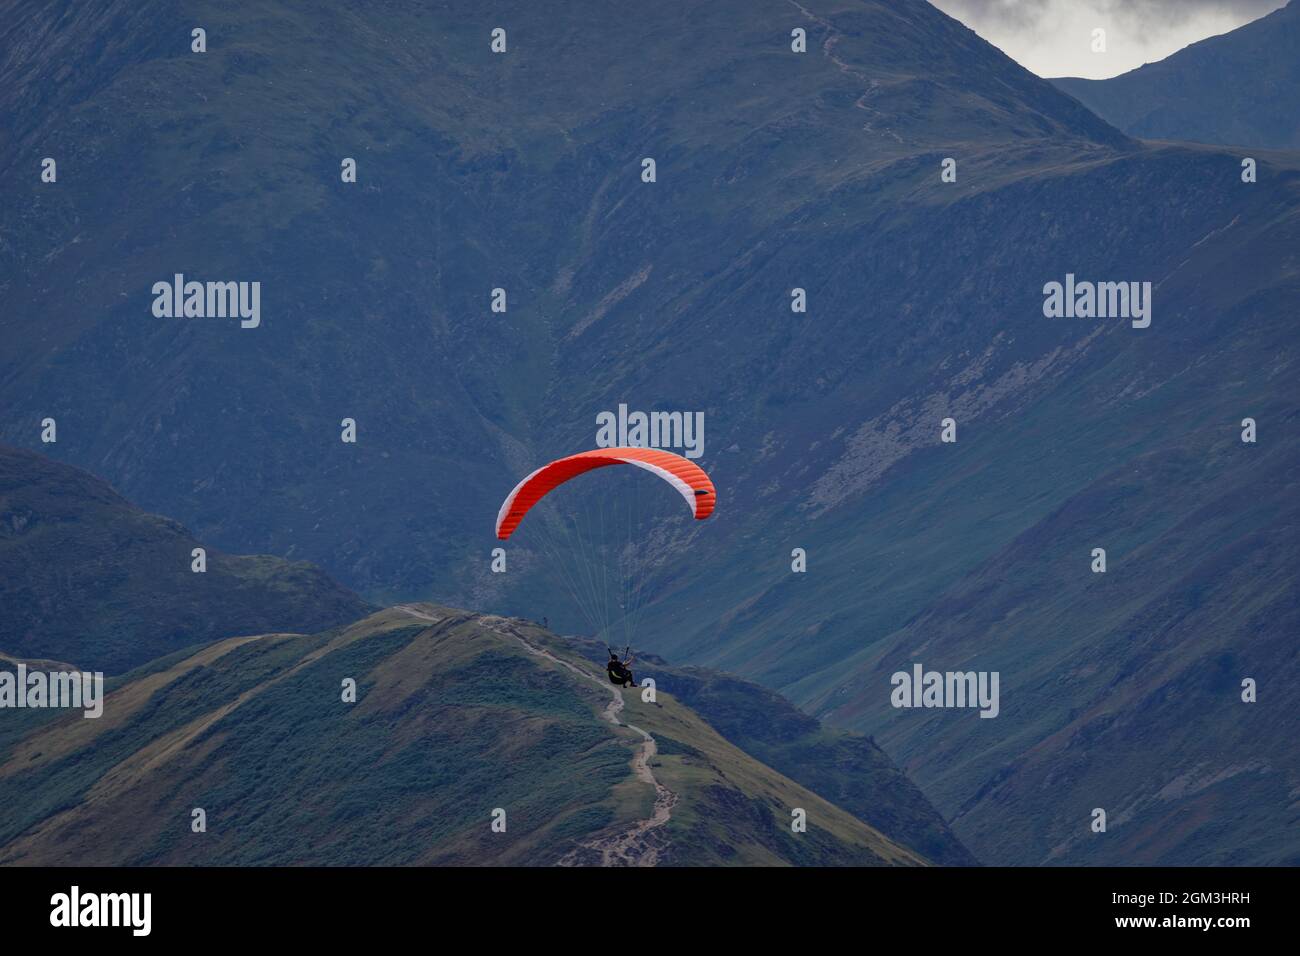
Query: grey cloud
(1051, 37)
(1012, 13)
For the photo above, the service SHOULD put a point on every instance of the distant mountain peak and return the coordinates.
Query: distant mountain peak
(1240, 88)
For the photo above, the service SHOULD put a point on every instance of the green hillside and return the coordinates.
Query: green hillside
(456, 715)
(86, 576)
(847, 768)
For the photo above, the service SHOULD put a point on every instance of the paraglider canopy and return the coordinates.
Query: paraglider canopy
(684, 475)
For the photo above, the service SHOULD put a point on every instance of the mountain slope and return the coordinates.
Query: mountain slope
(1241, 88)
(1141, 713)
(88, 577)
(518, 171)
(850, 770)
(456, 715)
(776, 171)
(931, 561)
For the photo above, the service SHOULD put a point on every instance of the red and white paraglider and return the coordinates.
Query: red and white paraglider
(683, 474)
(586, 555)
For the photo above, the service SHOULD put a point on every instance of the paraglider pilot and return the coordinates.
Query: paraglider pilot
(620, 671)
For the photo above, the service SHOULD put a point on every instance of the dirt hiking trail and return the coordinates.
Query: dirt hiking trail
(638, 845)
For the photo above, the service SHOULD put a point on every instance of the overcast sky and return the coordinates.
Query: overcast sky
(1054, 37)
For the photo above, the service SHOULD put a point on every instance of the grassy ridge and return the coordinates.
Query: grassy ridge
(452, 720)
